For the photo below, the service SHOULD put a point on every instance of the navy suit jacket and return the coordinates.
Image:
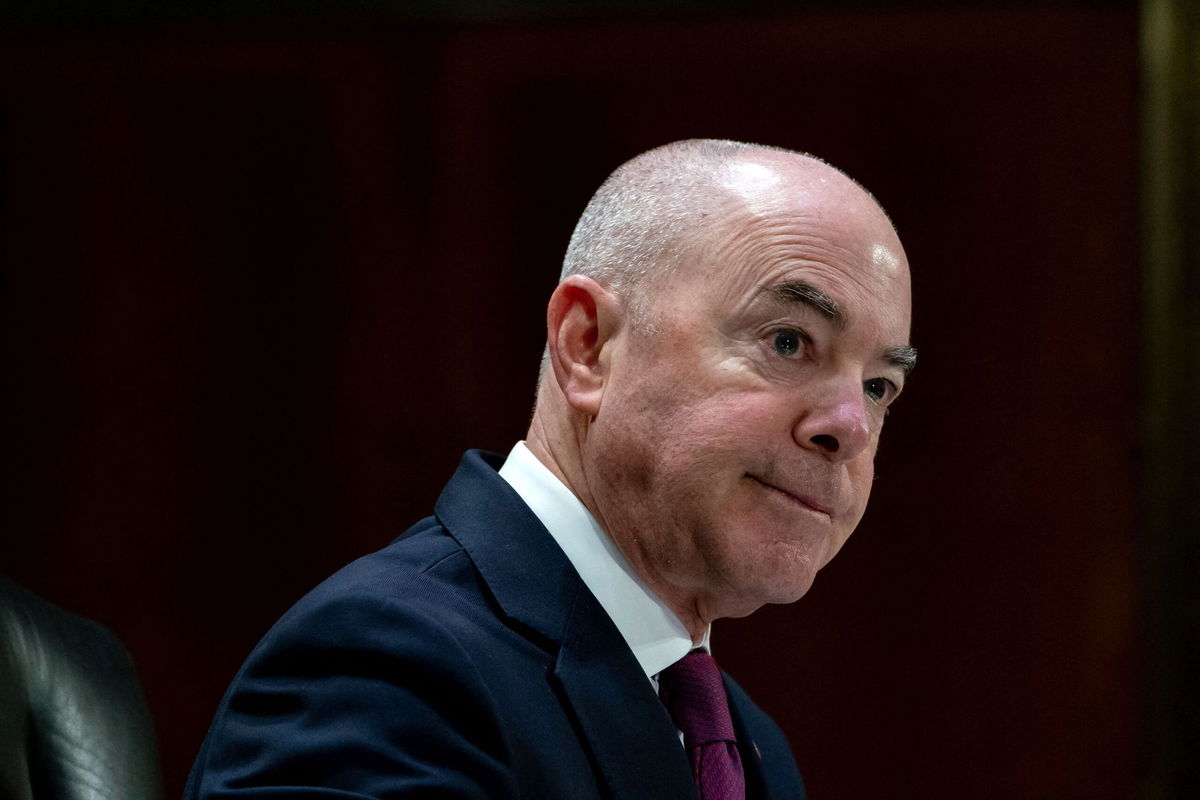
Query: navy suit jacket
(465, 660)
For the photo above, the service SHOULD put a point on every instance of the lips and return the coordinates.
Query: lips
(805, 500)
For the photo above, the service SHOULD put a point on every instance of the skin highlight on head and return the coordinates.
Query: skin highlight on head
(730, 328)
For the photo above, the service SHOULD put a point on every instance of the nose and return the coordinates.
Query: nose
(836, 422)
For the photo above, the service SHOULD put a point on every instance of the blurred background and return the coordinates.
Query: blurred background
(267, 270)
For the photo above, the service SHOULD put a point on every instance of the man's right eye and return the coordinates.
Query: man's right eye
(787, 342)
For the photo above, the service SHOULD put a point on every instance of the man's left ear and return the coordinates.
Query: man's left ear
(582, 321)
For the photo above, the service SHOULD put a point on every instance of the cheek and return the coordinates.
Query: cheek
(680, 464)
(861, 475)
(678, 412)
(715, 441)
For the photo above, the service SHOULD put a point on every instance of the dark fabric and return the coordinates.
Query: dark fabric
(694, 694)
(465, 660)
(73, 720)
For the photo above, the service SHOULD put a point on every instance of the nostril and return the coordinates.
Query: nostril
(826, 442)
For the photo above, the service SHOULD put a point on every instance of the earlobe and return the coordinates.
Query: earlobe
(581, 319)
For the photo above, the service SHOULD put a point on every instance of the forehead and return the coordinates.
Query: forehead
(829, 236)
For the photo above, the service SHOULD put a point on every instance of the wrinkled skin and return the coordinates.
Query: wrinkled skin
(728, 448)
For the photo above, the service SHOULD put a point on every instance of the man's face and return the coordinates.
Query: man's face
(732, 454)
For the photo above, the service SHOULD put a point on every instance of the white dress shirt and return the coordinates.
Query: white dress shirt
(655, 635)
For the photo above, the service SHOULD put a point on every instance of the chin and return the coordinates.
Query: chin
(789, 590)
(786, 570)
(751, 598)
(761, 585)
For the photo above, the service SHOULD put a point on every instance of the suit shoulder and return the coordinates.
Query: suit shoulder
(421, 593)
(377, 663)
(426, 553)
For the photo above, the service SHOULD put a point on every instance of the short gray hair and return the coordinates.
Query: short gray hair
(640, 220)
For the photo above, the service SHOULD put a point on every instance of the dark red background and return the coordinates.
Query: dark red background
(264, 281)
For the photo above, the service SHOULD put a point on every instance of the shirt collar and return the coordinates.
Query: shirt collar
(655, 635)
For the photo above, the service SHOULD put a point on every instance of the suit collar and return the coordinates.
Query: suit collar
(652, 630)
(630, 735)
(526, 571)
(609, 693)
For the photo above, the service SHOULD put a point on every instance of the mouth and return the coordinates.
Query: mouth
(801, 500)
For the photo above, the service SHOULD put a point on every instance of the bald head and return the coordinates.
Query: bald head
(642, 221)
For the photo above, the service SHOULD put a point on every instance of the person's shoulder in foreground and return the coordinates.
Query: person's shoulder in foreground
(729, 330)
(73, 719)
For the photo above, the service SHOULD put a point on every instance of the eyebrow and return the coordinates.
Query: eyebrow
(809, 295)
(903, 357)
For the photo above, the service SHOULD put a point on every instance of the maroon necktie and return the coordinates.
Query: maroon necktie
(695, 696)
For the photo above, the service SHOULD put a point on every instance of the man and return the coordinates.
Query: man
(730, 329)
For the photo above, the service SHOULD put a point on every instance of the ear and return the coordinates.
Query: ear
(581, 319)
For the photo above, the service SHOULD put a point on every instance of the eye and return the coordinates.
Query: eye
(880, 390)
(787, 342)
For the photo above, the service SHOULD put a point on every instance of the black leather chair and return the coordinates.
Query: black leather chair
(73, 720)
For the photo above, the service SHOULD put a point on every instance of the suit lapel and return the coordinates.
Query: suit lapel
(767, 761)
(633, 742)
(748, 748)
(631, 736)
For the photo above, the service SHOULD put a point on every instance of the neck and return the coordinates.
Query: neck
(557, 443)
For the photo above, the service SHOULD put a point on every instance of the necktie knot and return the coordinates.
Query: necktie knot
(694, 694)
